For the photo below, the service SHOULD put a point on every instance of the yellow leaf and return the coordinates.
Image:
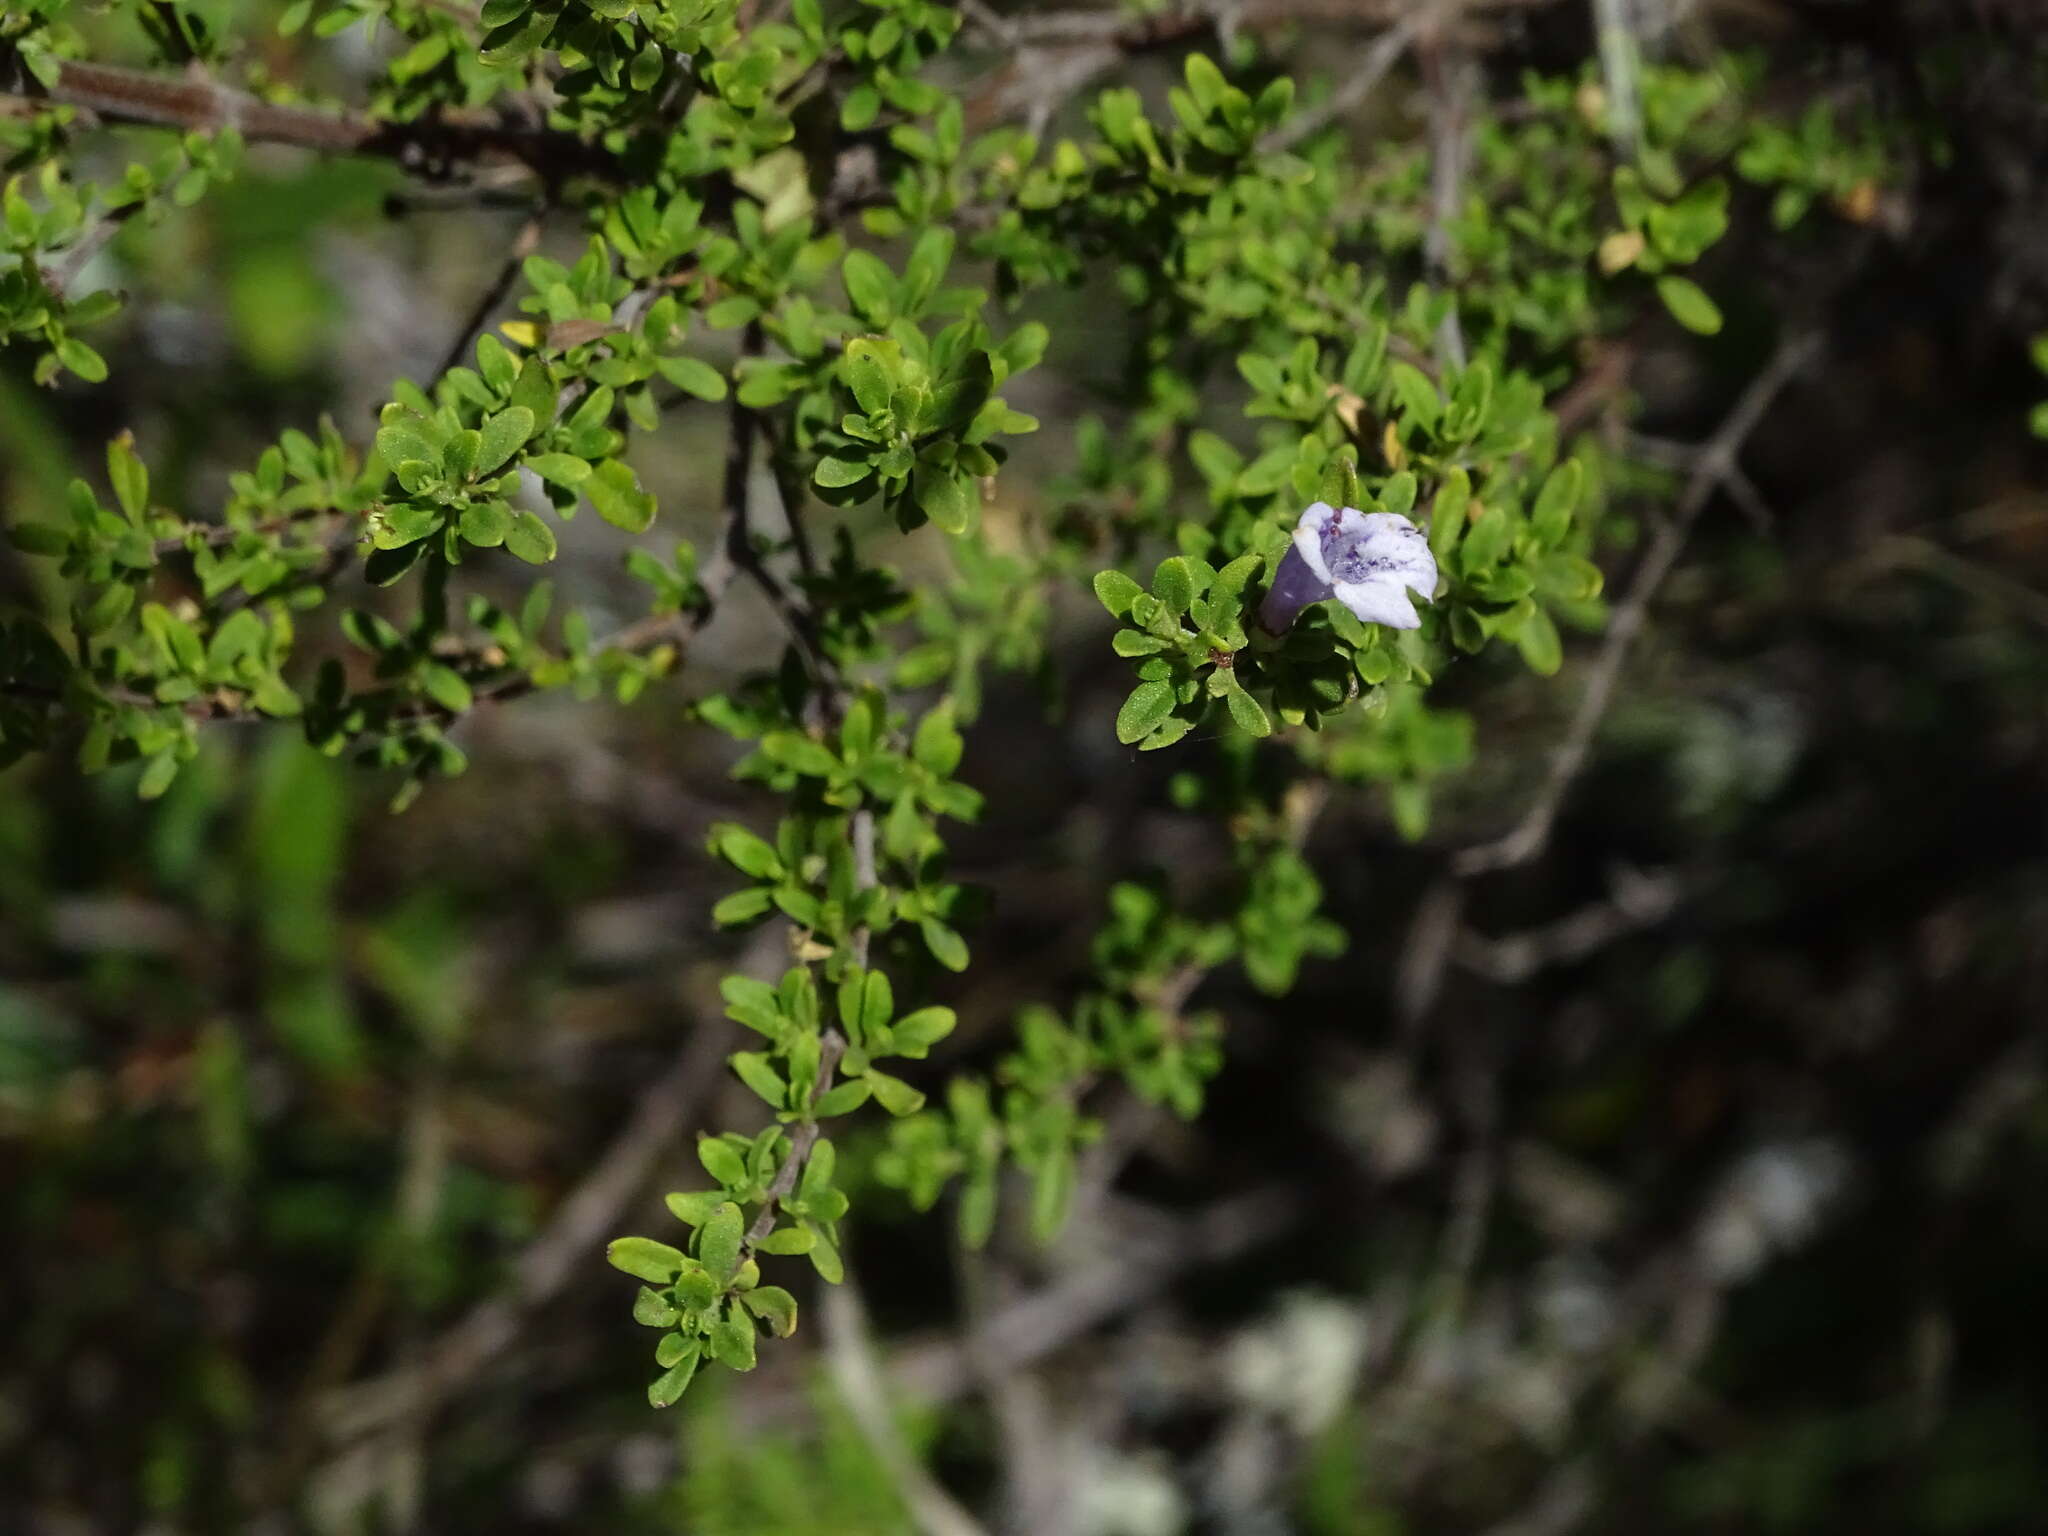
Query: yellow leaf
(1620, 250)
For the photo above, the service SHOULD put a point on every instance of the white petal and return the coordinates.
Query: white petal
(1390, 538)
(1308, 537)
(1380, 601)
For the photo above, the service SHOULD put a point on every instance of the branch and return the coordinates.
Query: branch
(577, 1229)
(1637, 901)
(1449, 79)
(1143, 1265)
(114, 94)
(1385, 52)
(523, 245)
(802, 1141)
(1717, 458)
(95, 240)
(850, 1356)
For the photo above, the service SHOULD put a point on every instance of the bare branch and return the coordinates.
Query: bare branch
(850, 1356)
(1636, 901)
(571, 1238)
(1716, 458)
(1380, 58)
(1451, 83)
(523, 245)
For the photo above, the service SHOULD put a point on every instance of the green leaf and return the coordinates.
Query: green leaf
(530, 539)
(459, 459)
(1539, 643)
(1447, 516)
(1485, 541)
(1398, 494)
(753, 1069)
(789, 1241)
(82, 360)
(1148, 704)
(1552, 516)
(1174, 584)
(1135, 642)
(39, 538)
(156, 778)
(444, 685)
(774, 1306)
(109, 608)
(825, 1257)
(536, 389)
(840, 1099)
(742, 906)
(485, 523)
(671, 1386)
(893, 1094)
(1689, 304)
(1116, 591)
(915, 1034)
(750, 854)
(719, 1239)
(563, 469)
(499, 368)
(753, 1003)
(868, 370)
(870, 286)
(797, 751)
(834, 472)
(503, 435)
(693, 376)
(722, 1161)
(403, 441)
(616, 494)
(653, 1310)
(944, 496)
(938, 745)
(645, 1259)
(1415, 394)
(1245, 710)
(946, 946)
(1206, 81)
(862, 105)
(130, 477)
(819, 1168)
(733, 1340)
(694, 1209)
(866, 1004)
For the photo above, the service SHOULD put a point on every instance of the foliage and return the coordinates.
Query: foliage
(792, 221)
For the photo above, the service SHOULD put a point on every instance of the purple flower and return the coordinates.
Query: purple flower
(1368, 561)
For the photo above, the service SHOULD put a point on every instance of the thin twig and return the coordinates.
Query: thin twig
(573, 1233)
(1033, 1328)
(1449, 80)
(1380, 58)
(738, 548)
(999, 29)
(850, 1356)
(1716, 458)
(802, 1142)
(523, 245)
(1636, 901)
(80, 256)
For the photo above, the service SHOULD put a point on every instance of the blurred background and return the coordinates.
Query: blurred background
(1697, 1190)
